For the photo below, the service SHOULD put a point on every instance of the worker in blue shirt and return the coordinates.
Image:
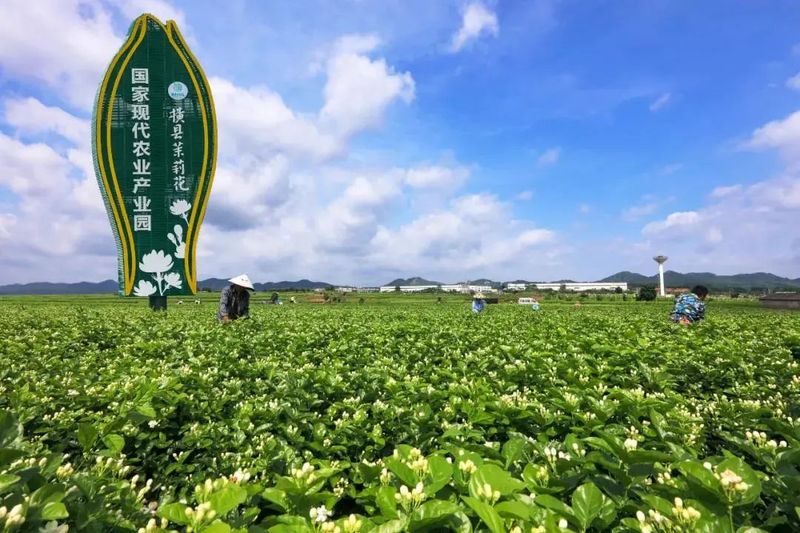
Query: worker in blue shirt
(478, 303)
(689, 307)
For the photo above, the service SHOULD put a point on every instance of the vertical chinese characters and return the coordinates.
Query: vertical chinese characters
(140, 111)
(178, 166)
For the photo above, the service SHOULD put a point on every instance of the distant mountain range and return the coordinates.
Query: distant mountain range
(758, 280)
(84, 287)
(110, 286)
(412, 282)
(217, 284)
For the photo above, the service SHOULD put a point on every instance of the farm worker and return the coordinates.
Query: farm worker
(689, 307)
(234, 302)
(535, 305)
(478, 303)
(292, 300)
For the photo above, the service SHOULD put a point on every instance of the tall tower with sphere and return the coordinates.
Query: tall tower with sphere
(661, 259)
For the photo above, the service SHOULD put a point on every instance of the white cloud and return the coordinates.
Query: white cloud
(721, 192)
(257, 121)
(676, 223)
(661, 102)
(65, 44)
(741, 229)
(548, 158)
(29, 115)
(359, 89)
(436, 177)
(794, 82)
(783, 135)
(584, 209)
(476, 20)
(636, 212)
(524, 195)
(473, 236)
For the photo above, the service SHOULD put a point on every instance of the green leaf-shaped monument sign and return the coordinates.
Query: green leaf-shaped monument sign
(155, 143)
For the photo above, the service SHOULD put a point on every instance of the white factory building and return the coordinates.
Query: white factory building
(465, 288)
(457, 287)
(409, 288)
(583, 286)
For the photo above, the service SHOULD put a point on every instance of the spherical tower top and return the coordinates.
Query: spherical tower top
(660, 259)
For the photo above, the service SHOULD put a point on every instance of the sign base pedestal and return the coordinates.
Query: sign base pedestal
(158, 303)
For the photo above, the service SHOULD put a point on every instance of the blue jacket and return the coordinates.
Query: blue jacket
(690, 307)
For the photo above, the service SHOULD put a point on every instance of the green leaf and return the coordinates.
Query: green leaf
(441, 473)
(54, 511)
(9, 455)
(649, 456)
(146, 410)
(432, 513)
(402, 471)
(392, 526)
(386, 501)
(87, 435)
(486, 513)
(705, 478)
(608, 513)
(276, 496)
(512, 450)
(461, 523)
(216, 527)
(600, 444)
(227, 498)
(10, 428)
(46, 494)
(587, 502)
(554, 504)
(6, 480)
(513, 509)
(499, 479)
(291, 524)
(659, 504)
(748, 476)
(174, 512)
(114, 442)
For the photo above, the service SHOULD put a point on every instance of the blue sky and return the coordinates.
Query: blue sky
(362, 141)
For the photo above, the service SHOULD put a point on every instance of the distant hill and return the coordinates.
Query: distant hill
(83, 287)
(217, 284)
(111, 286)
(757, 280)
(416, 281)
(485, 282)
(303, 284)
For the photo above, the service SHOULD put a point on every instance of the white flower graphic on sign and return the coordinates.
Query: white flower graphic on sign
(177, 240)
(181, 208)
(173, 279)
(144, 288)
(158, 263)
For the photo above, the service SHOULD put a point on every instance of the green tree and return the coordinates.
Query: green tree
(646, 294)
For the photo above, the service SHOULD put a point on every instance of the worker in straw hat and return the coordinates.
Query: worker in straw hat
(478, 302)
(234, 302)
